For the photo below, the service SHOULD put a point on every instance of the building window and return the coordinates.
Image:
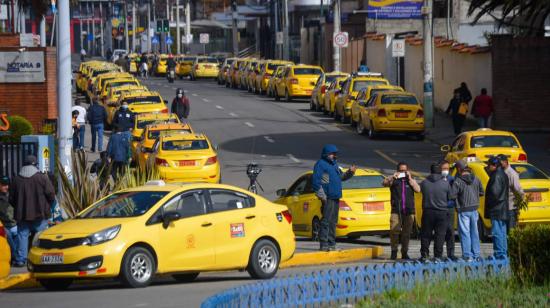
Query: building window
(440, 8)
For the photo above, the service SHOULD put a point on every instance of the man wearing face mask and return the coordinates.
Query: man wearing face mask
(450, 233)
(123, 118)
(180, 105)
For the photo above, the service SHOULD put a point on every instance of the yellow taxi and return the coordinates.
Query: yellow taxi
(297, 81)
(115, 83)
(242, 73)
(101, 80)
(267, 69)
(484, 143)
(186, 158)
(5, 253)
(162, 65)
(331, 94)
(185, 65)
(81, 74)
(138, 102)
(392, 112)
(358, 107)
(274, 79)
(234, 73)
(318, 94)
(92, 75)
(253, 71)
(181, 230)
(150, 135)
(364, 208)
(144, 119)
(224, 70)
(205, 67)
(133, 65)
(350, 89)
(114, 93)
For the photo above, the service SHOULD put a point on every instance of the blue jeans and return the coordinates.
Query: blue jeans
(500, 244)
(483, 122)
(81, 133)
(97, 131)
(25, 228)
(469, 235)
(11, 235)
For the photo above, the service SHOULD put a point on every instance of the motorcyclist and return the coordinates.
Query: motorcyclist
(171, 63)
(180, 105)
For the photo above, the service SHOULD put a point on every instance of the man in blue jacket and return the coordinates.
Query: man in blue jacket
(118, 151)
(327, 184)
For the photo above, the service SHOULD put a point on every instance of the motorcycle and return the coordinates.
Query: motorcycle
(171, 75)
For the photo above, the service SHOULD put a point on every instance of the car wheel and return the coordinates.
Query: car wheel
(371, 132)
(55, 284)
(227, 84)
(335, 115)
(288, 99)
(315, 227)
(185, 277)
(483, 233)
(277, 98)
(264, 260)
(359, 127)
(138, 268)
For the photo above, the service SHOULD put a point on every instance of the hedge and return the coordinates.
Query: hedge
(529, 249)
(19, 126)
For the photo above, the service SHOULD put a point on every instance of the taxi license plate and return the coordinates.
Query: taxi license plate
(52, 258)
(186, 163)
(401, 114)
(373, 206)
(308, 92)
(208, 66)
(535, 197)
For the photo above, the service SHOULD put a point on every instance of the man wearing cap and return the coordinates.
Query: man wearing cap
(31, 194)
(327, 184)
(515, 188)
(6, 216)
(466, 190)
(496, 206)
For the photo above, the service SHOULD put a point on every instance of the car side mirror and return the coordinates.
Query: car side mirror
(445, 148)
(169, 217)
(281, 192)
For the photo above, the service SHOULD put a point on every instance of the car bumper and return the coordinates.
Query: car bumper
(382, 125)
(362, 224)
(300, 92)
(210, 174)
(206, 74)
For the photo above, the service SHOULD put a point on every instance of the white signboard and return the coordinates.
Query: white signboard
(24, 67)
(204, 38)
(398, 48)
(340, 39)
(26, 40)
(3, 12)
(279, 38)
(188, 39)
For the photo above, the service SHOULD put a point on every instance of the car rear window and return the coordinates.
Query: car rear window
(363, 181)
(399, 100)
(121, 83)
(185, 145)
(207, 60)
(331, 78)
(153, 99)
(496, 141)
(154, 134)
(142, 124)
(307, 71)
(529, 172)
(124, 204)
(189, 59)
(361, 84)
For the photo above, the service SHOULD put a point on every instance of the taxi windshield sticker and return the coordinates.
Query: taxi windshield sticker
(237, 230)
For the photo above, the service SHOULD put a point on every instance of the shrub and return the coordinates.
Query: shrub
(529, 253)
(19, 126)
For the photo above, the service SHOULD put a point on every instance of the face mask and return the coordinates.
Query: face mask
(444, 172)
(180, 95)
(124, 106)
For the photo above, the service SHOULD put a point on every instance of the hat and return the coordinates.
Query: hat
(502, 157)
(461, 164)
(30, 160)
(493, 161)
(4, 180)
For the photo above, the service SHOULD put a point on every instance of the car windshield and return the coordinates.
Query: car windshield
(229, 61)
(124, 204)
(190, 59)
(142, 123)
(273, 67)
(399, 100)
(495, 141)
(363, 181)
(208, 60)
(184, 145)
(152, 99)
(121, 83)
(331, 78)
(529, 172)
(361, 84)
(307, 71)
(154, 134)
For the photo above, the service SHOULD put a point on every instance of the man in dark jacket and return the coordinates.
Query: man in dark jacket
(327, 185)
(180, 105)
(96, 117)
(31, 194)
(402, 188)
(6, 216)
(118, 151)
(496, 206)
(435, 197)
(123, 118)
(450, 230)
(466, 190)
(453, 110)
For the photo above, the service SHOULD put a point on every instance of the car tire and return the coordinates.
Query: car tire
(483, 232)
(359, 127)
(56, 284)
(315, 228)
(277, 98)
(371, 132)
(288, 98)
(189, 277)
(264, 260)
(138, 268)
(335, 115)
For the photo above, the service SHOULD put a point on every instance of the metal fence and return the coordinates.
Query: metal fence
(347, 285)
(12, 156)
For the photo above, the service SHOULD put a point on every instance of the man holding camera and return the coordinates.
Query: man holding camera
(327, 184)
(402, 187)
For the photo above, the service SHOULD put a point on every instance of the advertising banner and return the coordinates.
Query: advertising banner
(395, 9)
(25, 66)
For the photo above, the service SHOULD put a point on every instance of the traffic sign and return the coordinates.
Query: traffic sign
(90, 37)
(155, 40)
(204, 38)
(398, 48)
(340, 39)
(188, 39)
(279, 38)
(169, 40)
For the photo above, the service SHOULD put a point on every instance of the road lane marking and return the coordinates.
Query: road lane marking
(393, 161)
(233, 114)
(248, 124)
(194, 94)
(206, 100)
(269, 139)
(219, 107)
(294, 159)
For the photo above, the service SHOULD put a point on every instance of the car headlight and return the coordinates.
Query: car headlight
(101, 236)
(36, 239)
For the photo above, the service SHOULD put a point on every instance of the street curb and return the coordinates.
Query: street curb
(18, 281)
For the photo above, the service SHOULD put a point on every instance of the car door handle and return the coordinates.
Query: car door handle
(206, 224)
(250, 217)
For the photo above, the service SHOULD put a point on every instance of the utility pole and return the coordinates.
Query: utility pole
(22, 20)
(286, 40)
(428, 64)
(81, 26)
(134, 26)
(178, 34)
(93, 29)
(336, 53)
(148, 32)
(126, 35)
(43, 31)
(89, 50)
(277, 28)
(234, 28)
(101, 29)
(64, 104)
(321, 45)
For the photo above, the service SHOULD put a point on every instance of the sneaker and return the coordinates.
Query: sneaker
(19, 264)
(333, 248)
(405, 256)
(393, 255)
(469, 260)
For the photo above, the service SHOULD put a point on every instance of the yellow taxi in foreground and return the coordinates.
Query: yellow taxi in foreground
(359, 106)
(144, 119)
(484, 143)
(186, 158)
(139, 102)
(297, 81)
(267, 70)
(205, 67)
(318, 94)
(181, 230)
(150, 135)
(184, 66)
(5, 253)
(364, 208)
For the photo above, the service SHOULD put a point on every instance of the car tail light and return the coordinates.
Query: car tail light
(165, 110)
(420, 114)
(293, 81)
(197, 67)
(287, 216)
(522, 157)
(323, 89)
(161, 162)
(344, 206)
(211, 160)
(382, 113)
(2, 232)
(472, 155)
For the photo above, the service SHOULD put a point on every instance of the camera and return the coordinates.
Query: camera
(253, 170)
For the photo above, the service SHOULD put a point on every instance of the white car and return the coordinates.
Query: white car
(118, 53)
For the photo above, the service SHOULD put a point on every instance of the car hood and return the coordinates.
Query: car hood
(82, 226)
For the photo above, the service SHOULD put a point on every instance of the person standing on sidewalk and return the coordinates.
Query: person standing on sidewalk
(6, 216)
(118, 150)
(450, 231)
(515, 188)
(496, 206)
(180, 105)
(123, 118)
(483, 108)
(81, 121)
(457, 113)
(96, 117)
(402, 187)
(31, 194)
(327, 185)
(436, 191)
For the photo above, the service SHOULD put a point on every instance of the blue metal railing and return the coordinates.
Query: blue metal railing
(347, 285)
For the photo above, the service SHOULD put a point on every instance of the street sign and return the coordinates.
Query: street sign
(155, 40)
(279, 38)
(340, 39)
(90, 37)
(204, 38)
(398, 48)
(169, 40)
(188, 39)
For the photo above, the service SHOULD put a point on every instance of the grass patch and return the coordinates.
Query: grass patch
(494, 292)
